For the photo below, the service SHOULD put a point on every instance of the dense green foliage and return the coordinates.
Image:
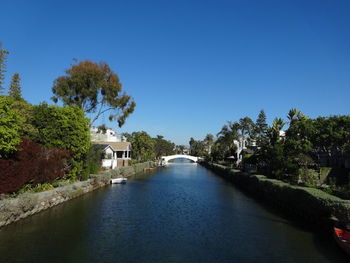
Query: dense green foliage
(197, 148)
(145, 148)
(24, 111)
(96, 89)
(295, 155)
(163, 147)
(142, 146)
(93, 162)
(64, 128)
(10, 125)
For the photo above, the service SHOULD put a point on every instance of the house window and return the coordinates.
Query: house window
(119, 154)
(108, 156)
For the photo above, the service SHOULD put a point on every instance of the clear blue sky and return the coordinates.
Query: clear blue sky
(190, 65)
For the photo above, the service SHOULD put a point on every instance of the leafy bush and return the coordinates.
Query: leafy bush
(64, 128)
(309, 176)
(93, 162)
(32, 164)
(9, 128)
(309, 203)
(29, 188)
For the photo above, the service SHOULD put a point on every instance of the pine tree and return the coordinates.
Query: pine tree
(261, 128)
(261, 122)
(15, 87)
(3, 54)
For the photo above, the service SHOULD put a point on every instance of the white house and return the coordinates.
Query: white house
(115, 154)
(108, 135)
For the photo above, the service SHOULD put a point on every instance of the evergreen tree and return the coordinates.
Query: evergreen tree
(3, 54)
(261, 124)
(261, 129)
(15, 87)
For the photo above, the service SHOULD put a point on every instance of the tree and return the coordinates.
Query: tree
(102, 129)
(208, 142)
(275, 130)
(64, 128)
(96, 89)
(292, 115)
(24, 111)
(191, 143)
(142, 146)
(180, 149)
(163, 147)
(261, 128)
(332, 137)
(15, 87)
(3, 55)
(10, 124)
(246, 127)
(197, 148)
(225, 144)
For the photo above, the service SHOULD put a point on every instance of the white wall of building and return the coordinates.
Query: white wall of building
(109, 136)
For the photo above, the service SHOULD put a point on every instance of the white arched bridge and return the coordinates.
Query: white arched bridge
(166, 159)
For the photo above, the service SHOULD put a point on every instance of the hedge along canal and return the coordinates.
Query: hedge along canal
(27, 204)
(309, 205)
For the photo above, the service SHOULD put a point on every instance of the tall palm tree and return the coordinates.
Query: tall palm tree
(292, 115)
(277, 126)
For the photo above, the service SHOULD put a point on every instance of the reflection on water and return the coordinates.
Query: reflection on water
(181, 213)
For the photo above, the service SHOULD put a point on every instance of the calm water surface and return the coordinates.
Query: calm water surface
(182, 213)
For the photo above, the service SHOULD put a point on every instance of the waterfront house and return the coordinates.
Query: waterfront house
(114, 154)
(115, 150)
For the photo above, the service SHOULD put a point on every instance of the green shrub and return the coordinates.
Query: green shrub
(64, 128)
(309, 176)
(309, 203)
(29, 188)
(10, 124)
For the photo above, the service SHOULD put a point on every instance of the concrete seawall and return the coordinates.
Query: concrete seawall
(27, 204)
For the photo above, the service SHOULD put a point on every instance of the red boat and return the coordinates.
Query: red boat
(343, 238)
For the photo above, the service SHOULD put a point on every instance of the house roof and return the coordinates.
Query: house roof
(100, 146)
(116, 146)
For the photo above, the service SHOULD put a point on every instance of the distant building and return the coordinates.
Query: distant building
(249, 146)
(107, 135)
(186, 151)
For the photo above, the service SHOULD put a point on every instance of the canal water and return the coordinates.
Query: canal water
(181, 213)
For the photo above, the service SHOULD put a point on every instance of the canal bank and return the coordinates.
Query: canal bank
(309, 205)
(27, 204)
(180, 213)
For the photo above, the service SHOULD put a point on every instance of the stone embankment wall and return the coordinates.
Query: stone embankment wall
(24, 205)
(308, 204)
